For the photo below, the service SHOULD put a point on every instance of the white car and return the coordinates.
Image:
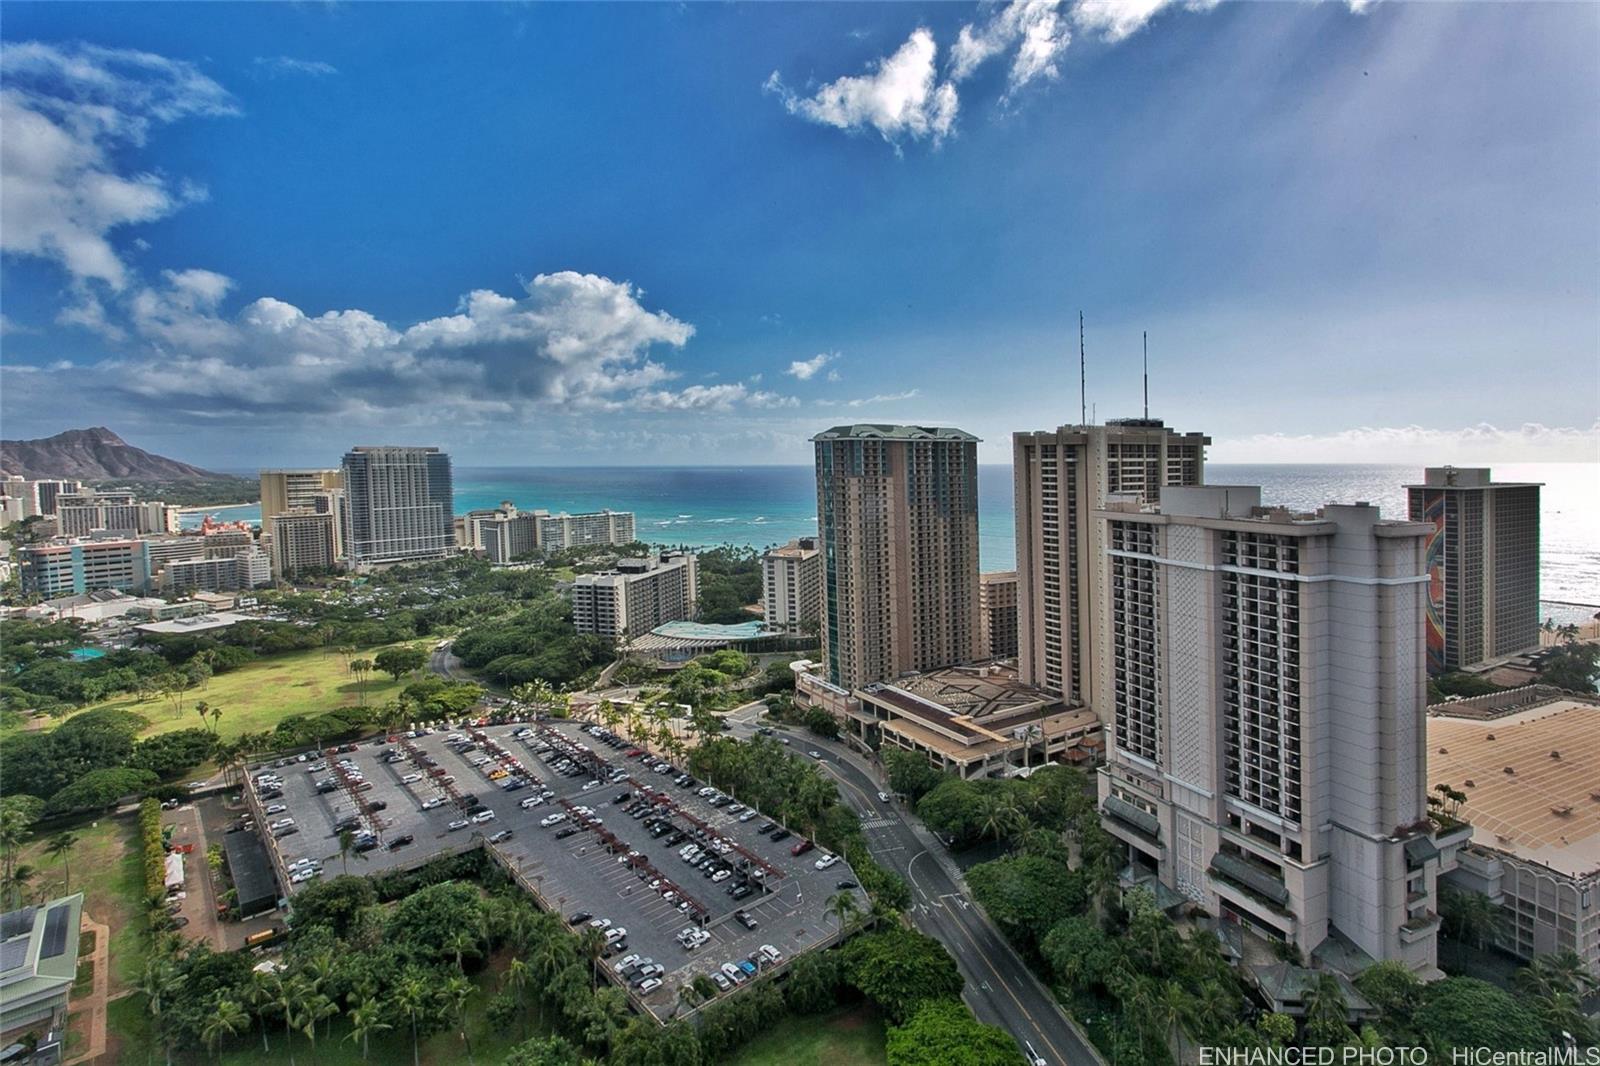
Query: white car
(770, 953)
(825, 862)
(411, 779)
(624, 962)
(531, 802)
(429, 805)
(815, 754)
(459, 823)
(650, 986)
(720, 876)
(281, 823)
(614, 935)
(723, 984)
(587, 785)
(600, 923)
(884, 797)
(746, 816)
(552, 819)
(277, 808)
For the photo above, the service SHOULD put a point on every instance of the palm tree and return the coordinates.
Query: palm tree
(286, 998)
(844, 906)
(361, 668)
(216, 718)
(16, 882)
(347, 841)
(365, 1020)
(1172, 1010)
(59, 848)
(160, 982)
(1326, 1010)
(516, 979)
(263, 994)
(456, 992)
(549, 959)
(13, 831)
(460, 941)
(411, 996)
(592, 942)
(227, 1018)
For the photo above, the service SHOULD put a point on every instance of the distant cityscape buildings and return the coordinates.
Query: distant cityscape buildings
(79, 566)
(791, 585)
(636, 596)
(897, 510)
(997, 614)
(1483, 565)
(399, 502)
(505, 534)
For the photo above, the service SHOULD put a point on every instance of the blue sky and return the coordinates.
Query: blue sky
(699, 233)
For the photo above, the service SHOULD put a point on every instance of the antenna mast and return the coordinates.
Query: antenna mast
(1083, 389)
(1146, 335)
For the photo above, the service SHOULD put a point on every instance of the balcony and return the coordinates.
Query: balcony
(1134, 817)
(1251, 877)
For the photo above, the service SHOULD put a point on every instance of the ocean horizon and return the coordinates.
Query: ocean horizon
(760, 506)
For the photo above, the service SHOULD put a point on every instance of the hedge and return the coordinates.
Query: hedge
(155, 858)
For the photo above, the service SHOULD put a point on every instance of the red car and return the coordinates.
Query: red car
(801, 848)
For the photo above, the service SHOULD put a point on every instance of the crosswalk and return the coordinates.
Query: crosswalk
(878, 823)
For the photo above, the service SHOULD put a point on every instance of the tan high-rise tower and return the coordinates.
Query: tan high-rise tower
(897, 513)
(288, 490)
(1062, 476)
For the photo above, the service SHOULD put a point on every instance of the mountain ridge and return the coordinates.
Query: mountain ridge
(91, 454)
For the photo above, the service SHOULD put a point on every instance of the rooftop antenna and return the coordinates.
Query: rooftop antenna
(1083, 391)
(1146, 336)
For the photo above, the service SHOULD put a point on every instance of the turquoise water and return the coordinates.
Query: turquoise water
(85, 654)
(759, 506)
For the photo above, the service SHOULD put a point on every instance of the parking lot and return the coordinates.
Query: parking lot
(611, 848)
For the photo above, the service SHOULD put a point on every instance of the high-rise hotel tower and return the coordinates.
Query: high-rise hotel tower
(1483, 559)
(1062, 475)
(897, 513)
(399, 505)
(1267, 698)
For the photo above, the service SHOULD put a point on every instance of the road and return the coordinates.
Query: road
(1001, 990)
(441, 660)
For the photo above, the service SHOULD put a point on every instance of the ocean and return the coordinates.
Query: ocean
(757, 506)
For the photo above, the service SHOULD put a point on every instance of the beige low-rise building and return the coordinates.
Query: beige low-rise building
(1530, 769)
(971, 721)
(636, 596)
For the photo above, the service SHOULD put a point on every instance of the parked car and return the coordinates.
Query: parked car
(401, 841)
(745, 919)
(459, 823)
(579, 917)
(825, 862)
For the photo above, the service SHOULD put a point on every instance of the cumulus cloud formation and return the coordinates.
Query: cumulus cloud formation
(273, 66)
(1034, 28)
(67, 110)
(901, 97)
(806, 369)
(1482, 443)
(568, 341)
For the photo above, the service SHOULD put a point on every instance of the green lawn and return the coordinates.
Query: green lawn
(851, 1037)
(258, 696)
(104, 866)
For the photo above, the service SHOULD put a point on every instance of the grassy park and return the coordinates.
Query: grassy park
(853, 1036)
(257, 696)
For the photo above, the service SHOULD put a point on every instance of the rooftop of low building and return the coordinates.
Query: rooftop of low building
(1532, 781)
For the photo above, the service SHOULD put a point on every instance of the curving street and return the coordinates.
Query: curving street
(1000, 988)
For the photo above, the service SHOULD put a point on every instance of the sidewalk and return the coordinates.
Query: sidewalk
(92, 1008)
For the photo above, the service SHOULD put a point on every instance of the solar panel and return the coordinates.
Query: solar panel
(13, 953)
(55, 931)
(15, 923)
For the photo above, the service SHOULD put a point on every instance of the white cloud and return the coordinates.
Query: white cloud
(1117, 20)
(68, 112)
(276, 65)
(1480, 444)
(900, 97)
(568, 341)
(885, 397)
(1035, 28)
(806, 369)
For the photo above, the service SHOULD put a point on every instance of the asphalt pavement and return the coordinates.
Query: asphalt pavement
(1000, 988)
